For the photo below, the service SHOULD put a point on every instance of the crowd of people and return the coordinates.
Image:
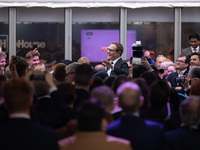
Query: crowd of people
(154, 105)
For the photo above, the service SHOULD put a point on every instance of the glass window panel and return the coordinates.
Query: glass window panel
(92, 30)
(190, 24)
(43, 29)
(154, 28)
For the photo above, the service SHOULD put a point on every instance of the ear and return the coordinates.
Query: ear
(30, 101)
(141, 101)
(91, 81)
(104, 124)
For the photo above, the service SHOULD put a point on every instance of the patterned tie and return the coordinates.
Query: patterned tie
(195, 50)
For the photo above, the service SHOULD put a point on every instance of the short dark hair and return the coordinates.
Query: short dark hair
(90, 115)
(195, 53)
(159, 94)
(59, 72)
(194, 35)
(83, 74)
(68, 92)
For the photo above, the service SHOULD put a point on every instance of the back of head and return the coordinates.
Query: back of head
(194, 72)
(118, 81)
(105, 95)
(17, 94)
(68, 92)
(90, 116)
(72, 67)
(194, 35)
(129, 97)
(109, 80)
(41, 88)
(150, 77)
(59, 72)
(83, 74)
(138, 70)
(195, 88)
(190, 111)
(83, 60)
(159, 94)
(21, 66)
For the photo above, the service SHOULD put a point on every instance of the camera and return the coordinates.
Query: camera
(179, 79)
(37, 75)
(137, 53)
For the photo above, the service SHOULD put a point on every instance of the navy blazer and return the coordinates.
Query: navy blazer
(120, 67)
(143, 134)
(171, 79)
(183, 138)
(23, 134)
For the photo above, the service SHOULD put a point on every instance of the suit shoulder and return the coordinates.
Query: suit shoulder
(153, 124)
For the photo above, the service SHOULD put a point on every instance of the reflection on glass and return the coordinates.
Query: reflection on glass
(155, 36)
(90, 38)
(48, 38)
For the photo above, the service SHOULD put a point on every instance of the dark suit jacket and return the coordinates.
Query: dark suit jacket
(23, 134)
(183, 139)
(143, 134)
(53, 111)
(172, 80)
(186, 51)
(120, 67)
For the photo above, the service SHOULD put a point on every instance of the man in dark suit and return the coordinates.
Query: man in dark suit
(187, 136)
(143, 134)
(194, 44)
(182, 67)
(115, 65)
(19, 132)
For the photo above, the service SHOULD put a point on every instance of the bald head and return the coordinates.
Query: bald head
(129, 97)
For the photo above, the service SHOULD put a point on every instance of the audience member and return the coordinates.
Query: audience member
(19, 132)
(187, 136)
(70, 72)
(182, 64)
(33, 59)
(2, 62)
(100, 67)
(91, 131)
(195, 59)
(83, 60)
(194, 44)
(60, 73)
(171, 68)
(83, 80)
(115, 65)
(164, 65)
(160, 59)
(143, 134)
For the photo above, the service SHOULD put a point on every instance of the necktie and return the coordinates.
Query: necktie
(195, 50)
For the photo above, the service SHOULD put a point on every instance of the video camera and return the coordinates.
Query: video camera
(137, 53)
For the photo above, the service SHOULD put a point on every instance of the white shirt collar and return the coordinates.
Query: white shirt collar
(197, 49)
(19, 115)
(114, 61)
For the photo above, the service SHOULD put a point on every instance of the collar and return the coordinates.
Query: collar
(197, 49)
(136, 114)
(114, 61)
(19, 115)
(181, 73)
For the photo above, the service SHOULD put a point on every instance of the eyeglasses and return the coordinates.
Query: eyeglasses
(180, 61)
(111, 50)
(67, 74)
